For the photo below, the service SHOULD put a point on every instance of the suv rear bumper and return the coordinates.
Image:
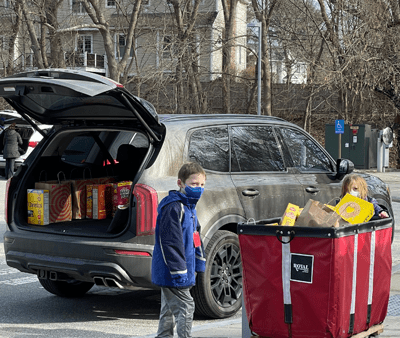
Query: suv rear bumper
(107, 269)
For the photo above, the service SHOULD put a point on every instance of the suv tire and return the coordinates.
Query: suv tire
(68, 289)
(218, 291)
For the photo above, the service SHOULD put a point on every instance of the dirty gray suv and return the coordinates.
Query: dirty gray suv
(255, 166)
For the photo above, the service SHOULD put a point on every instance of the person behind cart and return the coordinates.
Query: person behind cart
(11, 142)
(178, 252)
(355, 185)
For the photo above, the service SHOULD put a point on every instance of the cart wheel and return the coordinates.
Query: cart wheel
(218, 291)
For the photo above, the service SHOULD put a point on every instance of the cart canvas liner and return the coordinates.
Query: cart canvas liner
(315, 282)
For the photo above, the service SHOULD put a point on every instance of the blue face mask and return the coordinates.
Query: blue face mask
(194, 192)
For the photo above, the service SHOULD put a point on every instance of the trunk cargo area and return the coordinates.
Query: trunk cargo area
(75, 160)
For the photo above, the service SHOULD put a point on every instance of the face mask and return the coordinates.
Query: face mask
(355, 193)
(193, 192)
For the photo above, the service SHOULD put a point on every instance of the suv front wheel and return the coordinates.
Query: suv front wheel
(66, 289)
(218, 291)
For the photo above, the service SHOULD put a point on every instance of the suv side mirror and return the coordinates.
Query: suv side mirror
(343, 167)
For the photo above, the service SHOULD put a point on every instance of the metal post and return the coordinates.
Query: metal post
(259, 68)
(380, 150)
(259, 26)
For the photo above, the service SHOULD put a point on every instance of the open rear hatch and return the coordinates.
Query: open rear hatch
(103, 135)
(60, 96)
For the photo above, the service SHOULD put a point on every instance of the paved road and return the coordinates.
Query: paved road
(28, 310)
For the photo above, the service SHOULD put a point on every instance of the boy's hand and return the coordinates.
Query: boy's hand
(180, 280)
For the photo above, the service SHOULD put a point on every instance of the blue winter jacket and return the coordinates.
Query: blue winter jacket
(175, 259)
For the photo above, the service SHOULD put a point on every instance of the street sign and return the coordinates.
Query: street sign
(339, 126)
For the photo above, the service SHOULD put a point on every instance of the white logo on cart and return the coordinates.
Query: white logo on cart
(301, 267)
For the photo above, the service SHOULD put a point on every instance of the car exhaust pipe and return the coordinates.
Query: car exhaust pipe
(112, 283)
(107, 282)
(99, 281)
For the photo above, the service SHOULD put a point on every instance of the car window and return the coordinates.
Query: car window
(302, 152)
(210, 148)
(124, 137)
(85, 148)
(9, 119)
(255, 149)
(78, 149)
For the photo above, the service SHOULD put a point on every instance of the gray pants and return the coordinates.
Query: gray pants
(177, 305)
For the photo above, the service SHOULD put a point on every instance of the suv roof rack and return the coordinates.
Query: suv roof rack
(170, 117)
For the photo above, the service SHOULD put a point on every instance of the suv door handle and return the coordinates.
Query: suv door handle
(250, 192)
(312, 190)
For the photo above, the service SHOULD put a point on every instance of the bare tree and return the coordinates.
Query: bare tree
(263, 11)
(185, 14)
(30, 24)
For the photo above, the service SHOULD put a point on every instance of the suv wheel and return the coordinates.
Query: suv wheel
(66, 289)
(218, 291)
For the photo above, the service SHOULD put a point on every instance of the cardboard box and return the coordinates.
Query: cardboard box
(121, 193)
(38, 207)
(355, 210)
(89, 201)
(290, 215)
(102, 200)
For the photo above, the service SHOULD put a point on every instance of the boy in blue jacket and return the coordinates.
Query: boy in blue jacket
(178, 252)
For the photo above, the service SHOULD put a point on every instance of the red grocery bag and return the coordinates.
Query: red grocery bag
(60, 202)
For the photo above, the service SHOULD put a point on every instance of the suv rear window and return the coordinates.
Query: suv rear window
(99, 147)
(210, 148)
(255, 149)
(78, 149)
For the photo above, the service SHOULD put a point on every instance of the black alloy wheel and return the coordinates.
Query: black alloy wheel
(218, 291)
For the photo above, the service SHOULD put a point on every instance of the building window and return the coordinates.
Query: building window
(84, 44)
(78, 7)
(120, 52)
(111, 3)
(168, 47)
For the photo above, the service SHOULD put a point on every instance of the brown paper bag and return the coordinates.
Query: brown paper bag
(317, 214)
(78, 187)
(60, 203)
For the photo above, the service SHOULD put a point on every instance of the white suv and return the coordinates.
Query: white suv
(30, 136)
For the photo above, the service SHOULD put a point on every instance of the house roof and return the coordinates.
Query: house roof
(166, 19)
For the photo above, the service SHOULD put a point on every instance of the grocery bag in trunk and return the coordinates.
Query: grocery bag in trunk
(79, 194)
(321, 282)
(60, 201)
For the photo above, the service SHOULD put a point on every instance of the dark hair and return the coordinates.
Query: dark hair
(189, 169)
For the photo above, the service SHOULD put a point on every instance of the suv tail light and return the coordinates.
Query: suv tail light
(6, 200)
(146, 211)
(33, 144)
